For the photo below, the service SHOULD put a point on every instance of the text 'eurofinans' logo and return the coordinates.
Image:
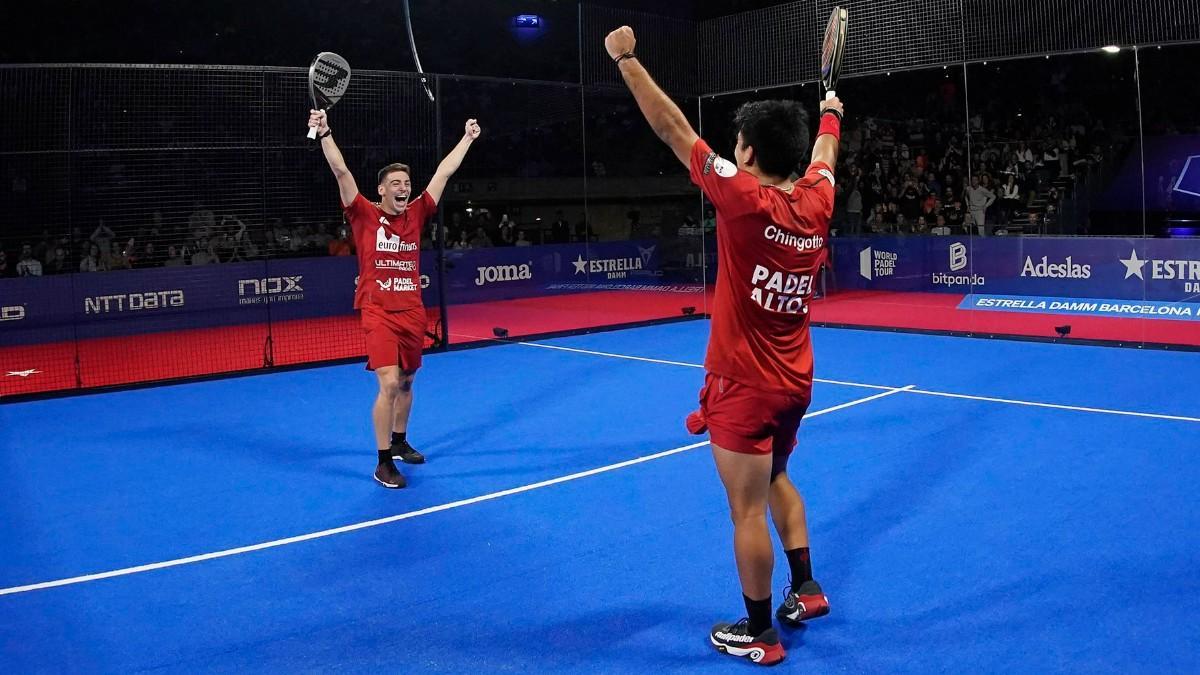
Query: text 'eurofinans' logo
(390, 243)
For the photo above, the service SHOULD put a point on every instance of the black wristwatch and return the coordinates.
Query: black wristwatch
(327, 133)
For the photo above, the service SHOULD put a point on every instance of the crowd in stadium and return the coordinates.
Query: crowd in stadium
(910, 175)
(903, 173)
(207, 238)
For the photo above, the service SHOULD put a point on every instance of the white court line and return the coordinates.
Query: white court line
(686, 365)
(911, 390)
(392, 519)
(1058, 406)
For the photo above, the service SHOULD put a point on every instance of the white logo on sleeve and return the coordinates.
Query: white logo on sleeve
(725, 168)
(827, 174)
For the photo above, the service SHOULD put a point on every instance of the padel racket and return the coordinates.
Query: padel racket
(832, 48)
(328, 78)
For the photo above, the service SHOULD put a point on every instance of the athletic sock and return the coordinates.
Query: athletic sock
(759, 613)
(801, 566)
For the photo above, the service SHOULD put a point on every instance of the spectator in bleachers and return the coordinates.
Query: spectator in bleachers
(463, 242)
(560, 229)
(875, 219)
(1035, 224)
(175, 257)
(28, 266)
(43, 250)
(123, 257)
(507, 231)
(854, 207)
(1010, 198)
(955, 215)
(93, 261)
(206, 254)
(1024, 157)
(201, 222)
(1050, 220)
(3, 264)
(521, 240)
(342, 246)
(978, 199)
(481, 239)
(58, 262)
(149, 257)
(940, 227)
(1050, 160)
(103, 236)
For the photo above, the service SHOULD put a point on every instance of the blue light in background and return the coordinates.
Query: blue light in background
(528, 27)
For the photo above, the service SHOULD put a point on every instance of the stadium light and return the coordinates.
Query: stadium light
(1110, 49)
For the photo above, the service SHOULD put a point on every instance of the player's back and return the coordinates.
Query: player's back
(771, 246)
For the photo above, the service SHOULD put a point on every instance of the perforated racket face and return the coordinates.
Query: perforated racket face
(328, 78)
(832, 48)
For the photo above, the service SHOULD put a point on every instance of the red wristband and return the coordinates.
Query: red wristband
(830, 124)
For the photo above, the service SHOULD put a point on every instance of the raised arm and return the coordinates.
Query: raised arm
(437, 184)
(665, 118)
(347, 188)
(825, 148)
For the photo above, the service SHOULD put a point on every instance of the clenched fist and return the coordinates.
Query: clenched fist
(620, 41)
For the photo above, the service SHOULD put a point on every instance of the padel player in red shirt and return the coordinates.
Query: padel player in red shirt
(771, 234)
(388, 236)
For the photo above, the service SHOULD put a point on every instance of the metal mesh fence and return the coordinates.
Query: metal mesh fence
(667, 45)
(763, 48)
(778, 45)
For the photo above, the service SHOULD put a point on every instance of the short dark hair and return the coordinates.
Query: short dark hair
(392, 168)
(778, 132)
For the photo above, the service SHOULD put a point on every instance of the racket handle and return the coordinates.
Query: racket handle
(312, 133)
(830, 94)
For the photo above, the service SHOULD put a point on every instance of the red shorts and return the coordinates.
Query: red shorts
(748, 420)
(394, 338)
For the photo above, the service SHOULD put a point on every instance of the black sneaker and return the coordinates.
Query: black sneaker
(735, 639)
(406, 453)
(387, 475)
(801, 604)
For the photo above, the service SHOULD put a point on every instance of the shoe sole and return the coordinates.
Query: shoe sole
(796, 623)
(421, 461)
(751, 654)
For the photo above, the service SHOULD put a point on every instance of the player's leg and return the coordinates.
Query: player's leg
(382, 415)
(747, 480)
(399, 440)
(410, 326)
(383, 357)
(803, 599)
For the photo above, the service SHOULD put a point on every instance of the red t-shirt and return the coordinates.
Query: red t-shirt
(770, 246)
(389, 252)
